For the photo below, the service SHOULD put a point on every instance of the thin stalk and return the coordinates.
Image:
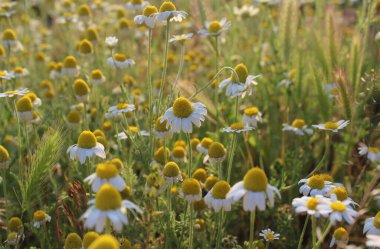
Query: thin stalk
(150, 92)
(180, 68)
(252, 228)
(314, 230)
(190, 154)
(191, 233)
(163, 79)
(327, 230)
(216, 83)
(303, 232)
(220, 229)
(231, 156)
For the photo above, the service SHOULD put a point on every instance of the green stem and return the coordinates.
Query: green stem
(314, 230)
(163, 79)
(267, 245)
(252, 228)
(150, 92)
(216, 83)
(190, 154)
(327, 230)
(231, 156)
(303, 232)
(181, 60)
(220, 229)
(191, 233)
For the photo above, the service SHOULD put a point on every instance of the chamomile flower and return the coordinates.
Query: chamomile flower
(73, 241)
(15, 238)
(237, 128)
(373, 241)
(111, 41)
(340, 238)
(338, 210)
(136, 4)
(315, 185)
(121, 108)
(40, 217)
(12, 93)
(333, 126)
(4, 157)
(204, 145)
(183, 114)
(81, 90)
(160, 129)
(255, 190)
(87, 146)
(70, 66)
(105, 173)
(9, 38)
(331, 90)
(172, 173)
(20, 72)
(33, 97)
(215, 28)
(269, 235)
(372, 225)
(217, 199)
(191, 190)
(6, 76)
(252, 116)
(168, 11)
(161, 156)
(179, 154)
(245, 11)
(120, 60)
(25, 109)
(133, 131)
(147, 18)
(108, 207)
(106, 241)
(181, 38)
(89, 238)
(216, 153)
(308, 204)
(373, 153)
(97, 77)
(341, 194)
(298, 127)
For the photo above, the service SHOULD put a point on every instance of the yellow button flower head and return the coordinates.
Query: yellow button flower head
(9, 38)
(25, 109)
(93, 35)
(200, 174)
(172, 173)
(215, 28)
(81, 90)
(147, 18)
(73, 241)
(315, 185)
(125, 244)
(86, 47)
(105, 242)
(217, 153)
(15, 224)
(191, 189)
(179, 154)
(40, 217)
(4, 155)
(106, 172)
(160, 129)
(169, 12)
(210, 182)
(89, 238)
(333, 126)
(204, 145)
(194, 143)
(70, 66)
(120, 60)
(159, 156)
(340, 237)
(84, 11)
(97, 77)
(87, 146)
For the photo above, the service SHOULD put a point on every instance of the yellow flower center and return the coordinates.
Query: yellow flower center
(220, 190)
(214, 27)
(334, 91)
(182, 108)
(373, 150)
(73, 117)
(70, 62)
(11, 92)
(99, 133)
(129, 80)
(107, 198)
(179, 152)
(85, 47)
(331, 125)
(87, 140)
(340, 192)
(106, 170)
(120, 57)
(24, 104)
(133, 129)
(4, 155)
(269, 235)
(242, 72)
(9, 35)
(105, 242)
(80, 87)
(191, 186)
(18, 70)
(92, 34)
(89, 238)
(216, 150)
(167, 6)
(237, 126)
(84, 10)
(137, 2)
(312, 203)
(193, 143)
(206, 142)
(31, 95)
(159, 155)
(340, 234)
(338, 206)
(298, 123)
(73, 241)
(316, 182)
(255, 180)
(200, 175)
(39, 215)
(124, 23)
(12, 236)
(199, 205)
(151, 180)
(252, 111)
(122, 106)
(171, 169)
(210, 182)
(161, 127)
(118, 163)
(327, 177)
(150, 10)
(96, 74)
(376, 220)
(14, 224)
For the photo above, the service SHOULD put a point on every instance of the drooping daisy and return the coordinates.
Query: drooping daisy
(341, 193)
(9, 38)
(307, 204)
(338, 210)
(181, 38)
(172, 173)
(5, 76)
(70, 66)
(40, 217)
(25, 109)
(255, 190)
(15, 238)
(89, 238)
(216, 153)
(4, 157)
(298, 127)
(132, 131)
(87, 146)
(340, 238)
(160, 129)
(269, 235)
(20, 72)
(33, 97)
(333, 126)
(215, 28)
(108, 207)
(168, 11)
(252, 116)
(120, 60)
(106, 173)
(315, 185)
(81, 90)
(373, 153)
(13, 93)
(191, 190)
(73, 241)
(217, 199)
(332, 90)
(120, 108)
(200, 174)
(372, 225)
(204, 145)
(179, 154)
(237, 128)
(111, 41)
(106, 241)
(136, 4)
(97, 77)
(183, 114)
(161, 156)
(147, 18)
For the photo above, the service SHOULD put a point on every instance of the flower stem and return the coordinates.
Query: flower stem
(163, 79)
(220, 229)
(252, 228)
(150, 92)
(327, 230)
(303, 232)
(191, 233)
(231, 156)
(216, 83)
(181, 60)
(190, 154)
(314, 230)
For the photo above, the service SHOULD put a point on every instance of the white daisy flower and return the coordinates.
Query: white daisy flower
(307, 204)
(191, 190)
(179, 154)
(333, 126)
(245, 11)
(15, 238)
(181, 38)
(87, 147)
(373, 241)
(252, 116)
(133, 131)
(341, 193)
(160, 129)
(111, 41)
(255, 190)
(237, 128)
(40, 217)
(269, 235)
(373, 153)
(315, 185)
(216, 153)
(215, 28)
(120, 61)
(168, 11)
(121, 108)
(136, 5)
(9, 38)
(172, 173)
(204, 145)
(12, 93)
(108, 207)
(183, 114)
(97, 77)
(20, 72)
(217, 199)
(298, 127)
(147, 18)
(372, 225)
(70, 67)
(24, 109)
(105, 173)
(331, 90)
(5, 75)
(338, 210)
(33, 97)
(339, 238)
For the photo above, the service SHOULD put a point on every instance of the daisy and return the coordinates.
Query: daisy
(147, 18)
(341, 193)
(121, 108)
(332, 90)
(373, 241)
(191, 190)
(216, 153)
(204, 145)
(12, 93)
(216, 197)
(9, 38)
(168, 11)
(333, 126)
(5, 75)
(237, 128)
(40, 217)
(245, 11)
(215, 28)
(340, 238)
(181, 38)
(87, 146)
(298, 127)
(108, 207)
(81, 90)
(255, 190)
(179, 154)
(315, 185)
(252, 116)
(106, 241)
(111, 41)
(70, 66)
(4, 157)
(372, 225)
(133, 130)
(338, 210)
(20, 72)
(269, 235)
(183, 114)
(172, 173)
(160, 129)
(33, 97)
(373, 153)
(159, 157)
(106, 173)
(73, 241)
(15, 238)
(120, 61)
(25, 109)
(309, 205)
(136, 5)
(97, 77)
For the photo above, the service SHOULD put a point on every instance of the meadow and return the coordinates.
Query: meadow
(189, 124)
